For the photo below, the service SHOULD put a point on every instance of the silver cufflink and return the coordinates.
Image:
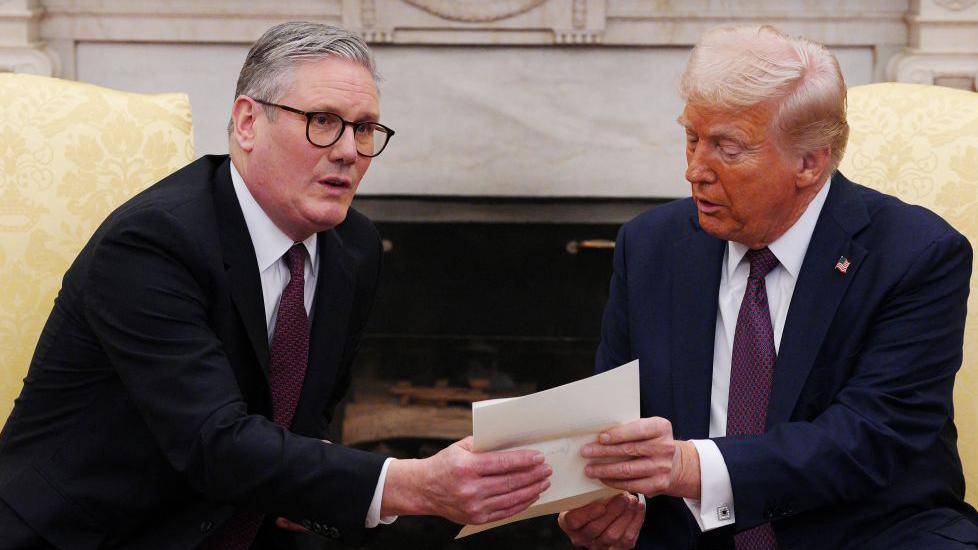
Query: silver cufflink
(723, 513)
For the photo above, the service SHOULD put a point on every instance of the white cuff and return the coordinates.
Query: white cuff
(716, 506)
(373, 513)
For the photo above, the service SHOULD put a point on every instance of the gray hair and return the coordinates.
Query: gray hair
(734, 68)
(268, 66)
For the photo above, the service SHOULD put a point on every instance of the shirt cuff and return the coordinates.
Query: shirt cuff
(373, 513)
(716, 506)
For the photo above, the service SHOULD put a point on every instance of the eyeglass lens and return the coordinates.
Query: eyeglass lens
(325, 129)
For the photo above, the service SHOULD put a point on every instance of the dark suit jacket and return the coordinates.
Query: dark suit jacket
(143, 420)
(860, 436)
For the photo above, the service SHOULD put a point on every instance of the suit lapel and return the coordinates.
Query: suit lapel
(335, 287)
(696, 286)
(241, 265)
(818, 292)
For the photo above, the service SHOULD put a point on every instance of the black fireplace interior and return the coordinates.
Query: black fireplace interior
(517, 303)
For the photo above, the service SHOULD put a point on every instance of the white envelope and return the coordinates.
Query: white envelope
(558, 422)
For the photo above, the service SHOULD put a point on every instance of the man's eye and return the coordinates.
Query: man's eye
(729, 151)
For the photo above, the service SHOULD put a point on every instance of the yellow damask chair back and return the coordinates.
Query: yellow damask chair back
(69, 154)
(920, 143)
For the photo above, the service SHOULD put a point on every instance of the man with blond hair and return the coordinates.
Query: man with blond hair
(798, 333)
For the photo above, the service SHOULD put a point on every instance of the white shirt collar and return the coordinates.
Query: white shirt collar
(790, 248)
(270, 242)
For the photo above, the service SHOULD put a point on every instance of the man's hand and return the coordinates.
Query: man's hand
(465, 487)
(644, 458)
(287, 525)
(610, 524)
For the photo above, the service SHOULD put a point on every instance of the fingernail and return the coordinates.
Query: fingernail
(546, 485)
(588, 470)
(587, 450)
(604, 438)
(539, 458)
(548, 471)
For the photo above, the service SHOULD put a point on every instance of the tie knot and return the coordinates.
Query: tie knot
(295, 257)
(761, 262)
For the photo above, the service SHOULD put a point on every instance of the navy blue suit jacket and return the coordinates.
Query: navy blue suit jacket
(860, 444)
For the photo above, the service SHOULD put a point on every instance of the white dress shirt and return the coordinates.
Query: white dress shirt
(716, 507)
(271, 244)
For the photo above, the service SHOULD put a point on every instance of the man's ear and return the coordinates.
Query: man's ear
(813, 167)
(244, 115)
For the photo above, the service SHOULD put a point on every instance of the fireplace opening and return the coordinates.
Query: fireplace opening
(494, 305)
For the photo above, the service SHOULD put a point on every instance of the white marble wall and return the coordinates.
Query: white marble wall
(489, 97)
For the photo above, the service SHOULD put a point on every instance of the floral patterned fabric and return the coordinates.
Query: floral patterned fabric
(920, 143)
(69, 154)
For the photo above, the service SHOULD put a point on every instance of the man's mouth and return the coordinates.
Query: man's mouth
(706, 206)
(340, 183)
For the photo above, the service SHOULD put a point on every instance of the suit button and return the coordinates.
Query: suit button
(206, 526)
(333, 533)
(768, 514)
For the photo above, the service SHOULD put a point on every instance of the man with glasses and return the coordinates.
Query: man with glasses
(183, 384)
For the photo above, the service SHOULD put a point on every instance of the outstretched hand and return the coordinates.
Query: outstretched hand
(466, 487)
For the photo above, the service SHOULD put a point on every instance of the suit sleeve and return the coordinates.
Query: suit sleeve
(146, 299)
(894, 405)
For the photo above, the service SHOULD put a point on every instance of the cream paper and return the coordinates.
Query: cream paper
(558, 422)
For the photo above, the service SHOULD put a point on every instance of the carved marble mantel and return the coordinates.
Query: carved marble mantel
(490, 97)
(60, 25)
(21, 49)
(943, 45)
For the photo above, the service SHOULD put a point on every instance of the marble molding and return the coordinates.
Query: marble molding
(489, 97)
(21, 51)
(942, 45)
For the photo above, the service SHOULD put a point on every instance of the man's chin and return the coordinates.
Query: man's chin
(715, 227)
(330, 218)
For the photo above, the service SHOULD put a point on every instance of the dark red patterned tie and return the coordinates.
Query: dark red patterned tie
(287, 370)
(751, 374)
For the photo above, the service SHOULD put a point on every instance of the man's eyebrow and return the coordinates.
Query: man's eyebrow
(368, 116)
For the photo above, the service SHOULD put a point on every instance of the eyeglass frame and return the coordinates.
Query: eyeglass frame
(310, 114)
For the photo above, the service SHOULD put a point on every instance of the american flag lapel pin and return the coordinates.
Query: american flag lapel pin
(842, 265)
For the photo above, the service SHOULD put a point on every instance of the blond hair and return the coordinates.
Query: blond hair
(734, 68)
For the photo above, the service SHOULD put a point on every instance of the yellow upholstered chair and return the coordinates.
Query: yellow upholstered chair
(920, 143)
(69, 154)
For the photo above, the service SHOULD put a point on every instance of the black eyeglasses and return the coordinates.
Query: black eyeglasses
(324, 129)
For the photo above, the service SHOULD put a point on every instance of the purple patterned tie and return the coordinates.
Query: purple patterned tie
(751, 373)
(287, 370)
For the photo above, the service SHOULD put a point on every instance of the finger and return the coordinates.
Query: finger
(628, 469)
(507, 483)
(643, 428)
(614, 534)
(596, 527)
(511, 511)
(515, 498)
(635, 527)
(579, 517)
(662, 446)
(465, 443)
(283, 523)
(501, 462)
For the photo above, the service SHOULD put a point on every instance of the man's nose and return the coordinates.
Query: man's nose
(345, 148)
(697, 169)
